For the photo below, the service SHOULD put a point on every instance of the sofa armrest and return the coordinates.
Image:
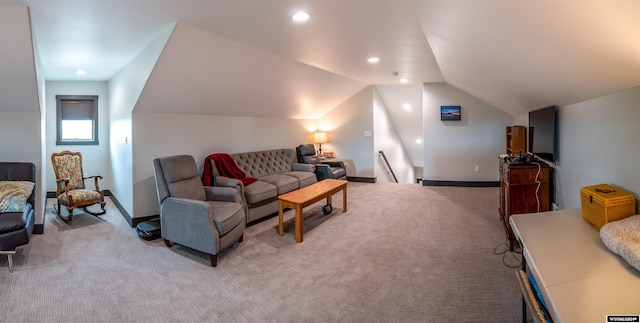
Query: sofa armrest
(334, 163)
(323, 172)
(28, 216)
(303, 167)
(224, 194)
(222, 181)
(187, 220)
(180, 206)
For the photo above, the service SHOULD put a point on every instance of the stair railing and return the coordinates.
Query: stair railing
(386, 162)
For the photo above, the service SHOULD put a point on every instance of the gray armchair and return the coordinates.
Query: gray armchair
(324, 168)
(208, 219)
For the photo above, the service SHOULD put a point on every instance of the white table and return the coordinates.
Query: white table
(579, 278)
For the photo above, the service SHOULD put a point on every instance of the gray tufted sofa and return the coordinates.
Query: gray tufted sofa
(277, 172)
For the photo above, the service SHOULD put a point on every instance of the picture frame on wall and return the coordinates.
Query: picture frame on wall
(450, 113)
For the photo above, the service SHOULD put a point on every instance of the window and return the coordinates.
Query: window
(77, 119)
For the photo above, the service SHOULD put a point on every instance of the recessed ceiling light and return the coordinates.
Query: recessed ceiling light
(407, 106)
(373, 59)
(404, 80)
(300, 16)
(81, 72)
(418, 141)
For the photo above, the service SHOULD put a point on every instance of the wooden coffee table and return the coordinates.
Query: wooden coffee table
(306, 196)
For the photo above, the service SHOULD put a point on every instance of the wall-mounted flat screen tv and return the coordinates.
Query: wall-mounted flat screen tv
(543, 133)
(450, 112)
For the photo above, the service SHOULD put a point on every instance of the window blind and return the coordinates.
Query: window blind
(77, 110)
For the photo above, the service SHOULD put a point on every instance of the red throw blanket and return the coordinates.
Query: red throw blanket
(226, 167)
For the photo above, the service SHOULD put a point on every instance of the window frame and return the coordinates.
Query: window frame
(59, 102)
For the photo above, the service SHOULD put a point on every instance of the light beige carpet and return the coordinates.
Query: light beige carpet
(402, 253)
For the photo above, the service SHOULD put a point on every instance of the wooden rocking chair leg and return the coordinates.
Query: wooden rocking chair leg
(66, 219)
(102, 206)
(94, 213)
(70, 210)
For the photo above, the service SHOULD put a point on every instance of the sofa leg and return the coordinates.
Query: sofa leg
(10, 263)
(9, 254)
(168, 243)
(214, 260)
(241, 238)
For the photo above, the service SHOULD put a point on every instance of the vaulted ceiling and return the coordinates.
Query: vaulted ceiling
(515, 55)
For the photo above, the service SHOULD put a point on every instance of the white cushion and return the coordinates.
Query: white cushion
(623, 238)
(14, 195)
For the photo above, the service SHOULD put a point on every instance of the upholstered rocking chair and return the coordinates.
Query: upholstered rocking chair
(71, 190)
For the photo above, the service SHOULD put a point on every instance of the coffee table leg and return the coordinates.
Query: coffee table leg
(299, 224)
(280, 220)
(344, 199)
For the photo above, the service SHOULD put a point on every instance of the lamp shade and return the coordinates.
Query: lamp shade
(320, 137)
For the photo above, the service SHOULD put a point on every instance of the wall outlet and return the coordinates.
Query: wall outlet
(477, 169)
(555, 206)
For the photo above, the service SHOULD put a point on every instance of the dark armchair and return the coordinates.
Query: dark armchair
(205, 218)
(324, 168)
(17, 202)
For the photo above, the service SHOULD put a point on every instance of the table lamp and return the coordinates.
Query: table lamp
(320, 137)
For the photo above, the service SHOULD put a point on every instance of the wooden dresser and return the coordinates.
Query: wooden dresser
(515, 140)
(524, 188)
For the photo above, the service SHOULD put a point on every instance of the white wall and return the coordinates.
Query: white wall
(20, 142)
(95, 158)
(387, 139)
(41, 169)
(598, 143)
(452, 149)
(20, 96)
(346, 125)
(522, 120)
(18, 81)
(407, 120)
(124, 91)
(201, 72)
(157, 135)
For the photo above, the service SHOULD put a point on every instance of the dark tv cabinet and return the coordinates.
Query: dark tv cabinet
(518, 190)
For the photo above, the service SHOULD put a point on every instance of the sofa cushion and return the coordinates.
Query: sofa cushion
(260, 191)
(80, 196)
(182, 178)
(262, 163)
(227, 215)
(14, 195)
(304, 178)
(338, 172)
(10, 222)
(307, 154)
(623, 238)
(284, 183)
(307, 149)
